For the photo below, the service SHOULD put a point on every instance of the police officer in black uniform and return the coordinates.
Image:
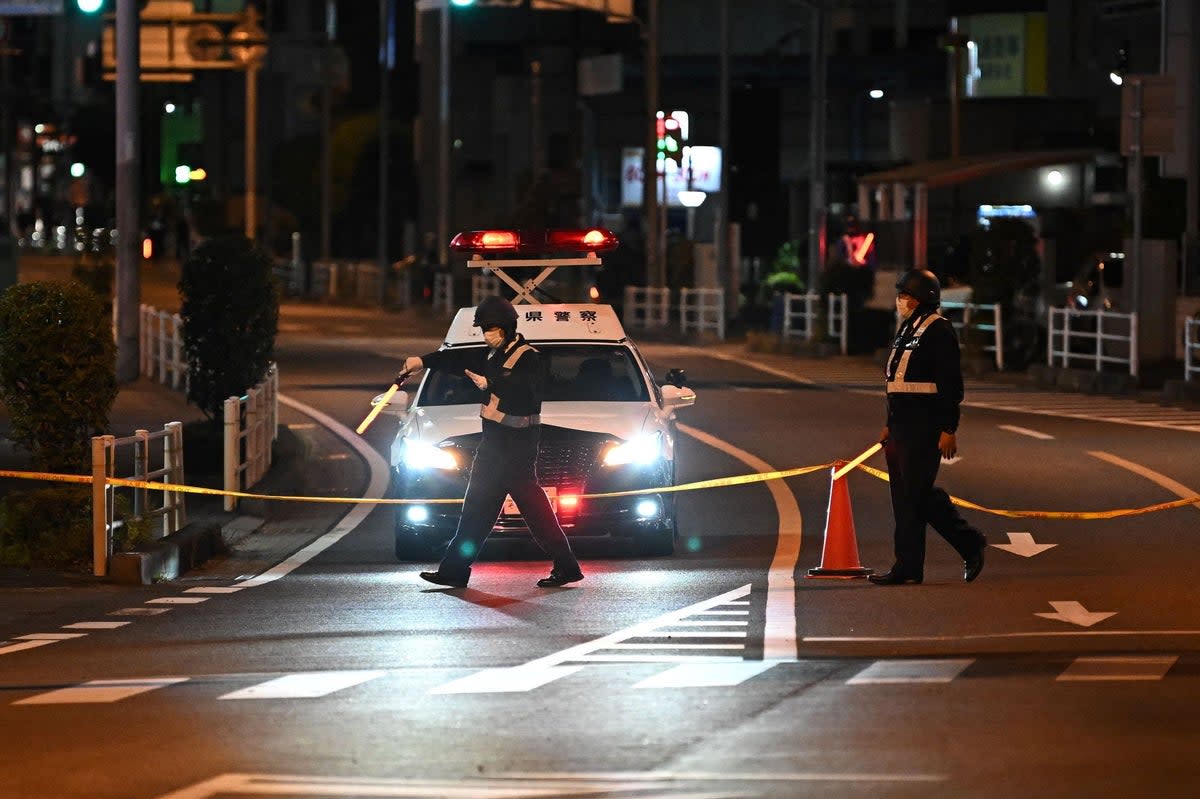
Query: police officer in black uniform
(510, 372)
(924, 391)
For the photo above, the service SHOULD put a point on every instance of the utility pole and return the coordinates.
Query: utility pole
(327, 129)
(816, 148)
(128, 278)
(650, 207)
(443, 219)
(386, 61)
(726, 272)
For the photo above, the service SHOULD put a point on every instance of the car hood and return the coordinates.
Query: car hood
(623, 420)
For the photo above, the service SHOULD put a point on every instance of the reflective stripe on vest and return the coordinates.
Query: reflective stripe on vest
(491, 409)
(898, 385)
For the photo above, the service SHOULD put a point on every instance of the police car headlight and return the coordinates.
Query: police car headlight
(419, 455)
(640, 451)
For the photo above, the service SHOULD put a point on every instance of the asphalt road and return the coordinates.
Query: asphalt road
(1068, 669)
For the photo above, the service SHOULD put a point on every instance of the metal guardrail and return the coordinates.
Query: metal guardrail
(1070, 327)
(161, 348)
(1191, 349)
(485, 285)
(965, 322)
(105, 450)
(646, 307)
(251, 425)
(701, 310)
(803, 322)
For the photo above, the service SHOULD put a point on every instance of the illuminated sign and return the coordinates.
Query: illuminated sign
(705, 165)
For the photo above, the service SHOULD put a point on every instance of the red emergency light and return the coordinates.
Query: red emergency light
(534, 242)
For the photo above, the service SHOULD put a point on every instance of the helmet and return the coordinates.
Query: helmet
(922, 285)
(495, 311)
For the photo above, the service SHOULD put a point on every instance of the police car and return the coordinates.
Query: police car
(607, 424)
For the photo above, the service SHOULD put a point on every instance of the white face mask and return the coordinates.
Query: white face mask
(494, 337)
(905, 305)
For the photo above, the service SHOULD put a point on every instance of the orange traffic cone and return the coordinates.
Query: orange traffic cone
(839, 557)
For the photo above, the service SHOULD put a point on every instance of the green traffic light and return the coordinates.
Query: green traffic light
(89, 6)
(462, 3)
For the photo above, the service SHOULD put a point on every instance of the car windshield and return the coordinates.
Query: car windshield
(574, 373)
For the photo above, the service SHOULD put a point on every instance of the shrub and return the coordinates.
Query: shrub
(47, 527)
(230, 316)
(57, 371)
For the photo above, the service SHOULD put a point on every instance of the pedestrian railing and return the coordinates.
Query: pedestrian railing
(702, 310)
(1191, 349)
(161, 348)
(486, 285)
(1087, 336)
(443, 293)
(987, 319)
(251, 426)
(156, 456)
(646, 307)
(802, 317)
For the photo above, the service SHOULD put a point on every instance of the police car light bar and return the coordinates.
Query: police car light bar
(534, 242)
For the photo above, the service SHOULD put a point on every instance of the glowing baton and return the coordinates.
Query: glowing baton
(860, 255)
(383, 401)
(871, 450)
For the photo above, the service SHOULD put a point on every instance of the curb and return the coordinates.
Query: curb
(179, 552)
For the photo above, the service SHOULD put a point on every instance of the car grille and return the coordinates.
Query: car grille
(566, 462)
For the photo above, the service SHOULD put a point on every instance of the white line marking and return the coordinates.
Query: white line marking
(1133, 667)
(495, 681)
(676, 646)
(355, 516)
(21, 647)
(139, 611)
(1179, 489)
(48, 636)
(779, 630)
(663, 659)
(96, 625)
(309, 685)
(894, 672)
(177, 600)
(691, 634)
(100, 691)
(723, 613)
(706, 675)
(1025, 431)
(912, 639)
(711, 623)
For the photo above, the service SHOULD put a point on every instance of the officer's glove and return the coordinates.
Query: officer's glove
(948, 445)
(885, 435)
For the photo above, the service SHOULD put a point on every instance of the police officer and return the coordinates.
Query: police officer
(924, 390)
(510, 373)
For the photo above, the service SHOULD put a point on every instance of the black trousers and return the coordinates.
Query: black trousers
(505, 463)
(913, 460)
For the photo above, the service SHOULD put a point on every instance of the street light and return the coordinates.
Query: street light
(691, 199)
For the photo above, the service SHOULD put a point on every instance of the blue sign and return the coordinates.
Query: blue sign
(28, 8)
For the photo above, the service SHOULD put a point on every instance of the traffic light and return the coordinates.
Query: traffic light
(89, 6)
(670, 138)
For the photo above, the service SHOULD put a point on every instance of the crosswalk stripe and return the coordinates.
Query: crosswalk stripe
(95, 625)
(177, 600)
(8, 649)
(910, 671)
(304, 685)
(706, 675)
(100, 691)
(1132, 667)
(508, 680)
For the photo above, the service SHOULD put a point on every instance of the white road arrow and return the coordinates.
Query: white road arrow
(1074, 613)
(1023, 544)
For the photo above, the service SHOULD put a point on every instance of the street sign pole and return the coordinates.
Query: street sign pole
(128, 277)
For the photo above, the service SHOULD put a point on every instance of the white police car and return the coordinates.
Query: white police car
(607, 426)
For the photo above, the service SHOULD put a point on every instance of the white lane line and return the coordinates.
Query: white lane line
(376, 486)
(1025, 431)
(779, 630)
(100, 691)
(307, 685)
(662, 659)
(497, 681)
(723, 613)
(664, 633)
(48, 636)
(677, 646)
(1133, 667)
(24, 645)
(895, 672)
(925, 639)
(706, 675)
(1179, 489)
(177, 600)
(140, 611)
(95, 625)
(711, 623)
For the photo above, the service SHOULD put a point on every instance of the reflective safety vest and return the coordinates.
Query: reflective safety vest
(896, 382)
(490, 410)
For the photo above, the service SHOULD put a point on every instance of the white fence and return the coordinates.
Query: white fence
(485, 285)
(145, 452)
(646, 307)
(1191, 349)
(963, 316)
(360, 281)
(161, 348)
(701, 310)
(443, 293)
(801, 317)
(251, 425)
(1085, 336)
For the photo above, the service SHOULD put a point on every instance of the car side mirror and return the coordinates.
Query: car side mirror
(678, 396)
(676, 377)
(396, 406)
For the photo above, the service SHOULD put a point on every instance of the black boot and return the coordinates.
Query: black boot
(894, 576)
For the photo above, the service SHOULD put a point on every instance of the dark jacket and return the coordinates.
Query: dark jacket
(928, 382)
(514, 374)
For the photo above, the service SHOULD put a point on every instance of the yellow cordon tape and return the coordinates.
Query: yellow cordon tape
(719, 482)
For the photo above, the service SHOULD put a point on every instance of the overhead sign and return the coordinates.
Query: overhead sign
(28, 8)
(704, 162)
(1157, 113)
